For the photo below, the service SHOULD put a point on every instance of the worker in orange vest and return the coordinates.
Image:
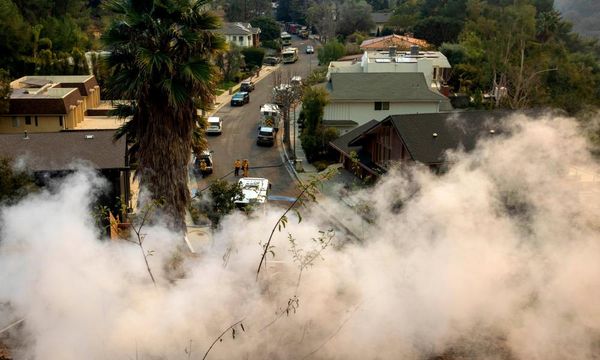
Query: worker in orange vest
(236, 166)
(246, 167)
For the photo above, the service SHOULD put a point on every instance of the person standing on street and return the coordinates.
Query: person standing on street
(237, 165)
(246, 167)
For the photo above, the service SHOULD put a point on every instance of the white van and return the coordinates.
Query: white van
(215, 125)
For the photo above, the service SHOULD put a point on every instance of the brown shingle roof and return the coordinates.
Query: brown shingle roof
(62, 150)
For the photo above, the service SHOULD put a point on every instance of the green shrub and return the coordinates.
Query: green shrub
(253, 57)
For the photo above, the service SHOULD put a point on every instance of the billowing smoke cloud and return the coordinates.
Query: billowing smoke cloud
(497, 258)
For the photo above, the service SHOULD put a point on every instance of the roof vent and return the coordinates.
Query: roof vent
(25, 135)
(89, 137)
(434, 135)
(414, 50)
(492, 131)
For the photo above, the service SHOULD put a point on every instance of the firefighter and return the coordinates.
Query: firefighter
(246, 167)
(237, 165)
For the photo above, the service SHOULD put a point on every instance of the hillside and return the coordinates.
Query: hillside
(584, 15)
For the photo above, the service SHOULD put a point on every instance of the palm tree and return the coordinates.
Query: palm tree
(161, 59)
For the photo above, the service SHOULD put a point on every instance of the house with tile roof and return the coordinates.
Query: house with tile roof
(401, 42)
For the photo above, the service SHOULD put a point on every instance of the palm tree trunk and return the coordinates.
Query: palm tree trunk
(165, 150)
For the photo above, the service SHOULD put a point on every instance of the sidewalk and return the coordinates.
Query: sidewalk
(335, 189)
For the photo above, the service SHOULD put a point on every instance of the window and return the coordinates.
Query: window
(241, 39)
(382, 105)
(27, 120)
(15, 122)
(36, 120)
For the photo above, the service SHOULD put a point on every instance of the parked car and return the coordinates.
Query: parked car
(240, 98)
(271, 60)
(310, 49)
(215, 126)
(247, 85)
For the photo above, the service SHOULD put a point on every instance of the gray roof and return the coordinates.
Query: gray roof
(63, 150)
(342, 143)
(238, 28)
(454, 130)
(392, 87)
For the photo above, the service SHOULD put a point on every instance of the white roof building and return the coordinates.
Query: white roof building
(433, 64)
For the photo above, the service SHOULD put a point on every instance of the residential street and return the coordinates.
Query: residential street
(238, 140)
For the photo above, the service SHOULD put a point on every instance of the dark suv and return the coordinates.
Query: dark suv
(247, 86)
(240, 98)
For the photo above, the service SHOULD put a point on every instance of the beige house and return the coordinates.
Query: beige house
(49, 103)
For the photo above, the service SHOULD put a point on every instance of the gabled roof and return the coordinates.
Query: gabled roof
(238, 28)
(392, 87)
(452, 131)
(401, 42)
(342, 143)
(61, 150)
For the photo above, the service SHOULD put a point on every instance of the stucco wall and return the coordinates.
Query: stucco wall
(45, 124)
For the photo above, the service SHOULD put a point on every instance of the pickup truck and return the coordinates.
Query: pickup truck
(266, 136)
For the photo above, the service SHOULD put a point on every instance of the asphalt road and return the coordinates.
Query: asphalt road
(240, 124)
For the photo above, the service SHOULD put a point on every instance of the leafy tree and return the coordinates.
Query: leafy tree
(231, 62)
(161, 58)
(355, 16)
(321, 17)
(14, 184)
(313, 106)
(5, 91)
(253, 57)
(438, 29)
(292, 10)
(331, 51)
(315, 137)
(269, 28)
(13, 34)
(222, 200)
(246, 10)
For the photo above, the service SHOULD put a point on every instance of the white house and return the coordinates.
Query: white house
(385, 83)
(356, 98)
(241, 34)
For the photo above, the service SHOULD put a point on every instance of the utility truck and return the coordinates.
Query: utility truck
(289, 55)
(270, 115)
(254, 191)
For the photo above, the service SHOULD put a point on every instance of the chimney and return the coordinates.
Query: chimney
(414, 50)
(392, 51)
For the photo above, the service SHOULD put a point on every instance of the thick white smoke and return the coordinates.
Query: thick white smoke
(497, 258)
